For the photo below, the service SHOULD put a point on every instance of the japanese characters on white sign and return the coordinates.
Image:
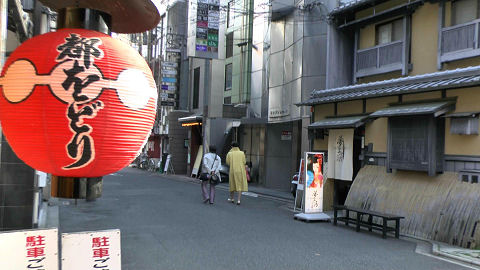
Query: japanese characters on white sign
(91, 250)
(31, 249)
(314, 182)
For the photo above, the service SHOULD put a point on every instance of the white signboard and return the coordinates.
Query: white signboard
(340, 149)
(170, 64)
(91, 250)
(169, 72)
(31, 249)
(314, 182)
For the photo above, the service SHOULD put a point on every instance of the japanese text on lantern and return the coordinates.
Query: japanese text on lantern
(100, 252)
(80, 53)
(35, 246)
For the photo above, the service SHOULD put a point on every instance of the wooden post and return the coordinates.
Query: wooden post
(441, 25)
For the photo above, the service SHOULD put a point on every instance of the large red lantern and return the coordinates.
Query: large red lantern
(76, 103)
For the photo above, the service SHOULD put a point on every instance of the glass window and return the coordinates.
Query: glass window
(196, 87)
(464, 11)
(227, 100)
(229, 45)
(228, 77)
(390, 32)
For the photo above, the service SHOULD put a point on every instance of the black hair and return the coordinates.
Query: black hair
(213, 149)
(234, 144)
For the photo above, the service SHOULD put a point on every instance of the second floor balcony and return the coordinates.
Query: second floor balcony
(459, 41)
(379, 59)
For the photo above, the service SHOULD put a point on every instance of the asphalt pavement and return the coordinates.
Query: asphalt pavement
(165, 225)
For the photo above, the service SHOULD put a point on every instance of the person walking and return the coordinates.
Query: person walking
(210, 164)
(237, 174)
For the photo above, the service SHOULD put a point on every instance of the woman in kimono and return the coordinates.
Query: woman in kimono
(211, 163)
(237, 175)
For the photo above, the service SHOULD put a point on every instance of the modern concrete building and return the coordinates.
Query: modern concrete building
(401, 99)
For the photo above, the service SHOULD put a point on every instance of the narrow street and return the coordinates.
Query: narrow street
(165, 225)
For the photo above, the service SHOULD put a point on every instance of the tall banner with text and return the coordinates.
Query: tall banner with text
(340, 154)
(314, 182)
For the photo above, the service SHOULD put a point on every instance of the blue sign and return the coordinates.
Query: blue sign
(169, 79)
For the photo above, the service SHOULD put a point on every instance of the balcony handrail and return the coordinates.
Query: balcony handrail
(444, 29)
(380, 46)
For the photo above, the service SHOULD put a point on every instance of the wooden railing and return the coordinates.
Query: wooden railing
(379, 59)
(460, 41)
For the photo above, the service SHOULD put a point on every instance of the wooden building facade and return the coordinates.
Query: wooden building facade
(405, 76)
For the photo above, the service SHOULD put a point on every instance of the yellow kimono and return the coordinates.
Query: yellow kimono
(237, 175)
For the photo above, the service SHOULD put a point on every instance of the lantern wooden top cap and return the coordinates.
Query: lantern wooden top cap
(128, 16)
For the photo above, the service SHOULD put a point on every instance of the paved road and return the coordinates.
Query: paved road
(165, 226)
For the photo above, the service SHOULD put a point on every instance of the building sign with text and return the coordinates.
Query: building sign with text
(30, 249)
(204, 22)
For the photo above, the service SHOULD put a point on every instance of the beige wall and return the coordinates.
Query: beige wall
(420, 96)
(424, 42)
(381, 77)
(468, 100)
(366, 37)
(375, 104)
(376, 133)
(322, 111)
(350, 107)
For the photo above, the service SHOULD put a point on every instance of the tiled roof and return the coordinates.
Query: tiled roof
(349, 5)
(415, 109)
(339, 122)
(457, 78)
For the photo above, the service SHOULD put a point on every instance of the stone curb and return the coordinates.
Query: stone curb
(437, 251)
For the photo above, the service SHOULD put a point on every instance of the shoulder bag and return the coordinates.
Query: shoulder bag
(214, 177)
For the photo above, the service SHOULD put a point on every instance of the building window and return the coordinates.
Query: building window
(196, 87)
(229, 45)
(390, 32)
(464, 125)
(469, 176)
(230, 14)
(464, 11)
(416, 143)
(228, 77)
(227, 100)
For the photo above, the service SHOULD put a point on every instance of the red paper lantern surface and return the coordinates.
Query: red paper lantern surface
(76, 103)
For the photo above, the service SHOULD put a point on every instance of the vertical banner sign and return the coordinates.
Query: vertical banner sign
(314, 182)
(91, 250)
(208, 14)
(340, 149)
(32, 249)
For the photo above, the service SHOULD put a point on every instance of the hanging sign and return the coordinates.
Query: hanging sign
(340, 147)
(91, 250)
(30, 249)
(170, 64)
(314, 182)
(76, 103)
(169, 72)
(169, 87)
(169, 79)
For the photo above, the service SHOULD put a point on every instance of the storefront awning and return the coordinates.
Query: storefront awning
(435, 108)
(191, 120)
(339, 122)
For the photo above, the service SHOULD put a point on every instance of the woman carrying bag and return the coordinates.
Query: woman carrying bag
(211, 163)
